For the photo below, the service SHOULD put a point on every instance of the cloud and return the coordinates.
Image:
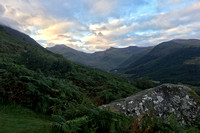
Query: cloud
(92, 25)
(107, 35)
(162, 5)
(57, 28)
(24, 14)
(2, 9)
(102, 7)
(171, 19)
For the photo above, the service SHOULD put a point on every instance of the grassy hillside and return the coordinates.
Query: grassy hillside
(173, 61)
(20, 35)
(105, 60)
(47, 83)
(17, 119)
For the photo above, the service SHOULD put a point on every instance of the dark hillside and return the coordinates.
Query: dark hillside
(47, 83)
(20, 35)
(105, 60)
(173, 61)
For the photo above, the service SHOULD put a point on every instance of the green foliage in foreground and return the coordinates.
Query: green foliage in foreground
(17, 119)
(47, 83)
(59, 98)
(80, 118)
(149, 123)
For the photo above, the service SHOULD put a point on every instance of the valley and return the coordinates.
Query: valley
(175, 61)
(57, 95)
(104, 60)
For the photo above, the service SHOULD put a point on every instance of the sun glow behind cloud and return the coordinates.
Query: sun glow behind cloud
(92, 25)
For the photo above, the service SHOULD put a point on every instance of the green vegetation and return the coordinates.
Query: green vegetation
(195, 95)
(17, 119)
(149, 123)
(171, 62)
(47, 83)
(93, 120)
(144, 83)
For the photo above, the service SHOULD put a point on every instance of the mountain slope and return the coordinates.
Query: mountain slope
(47, 83)
(18, 53)
(136, 56)
(20, 35)
(70, 54)
(173, 61)
(105, 60)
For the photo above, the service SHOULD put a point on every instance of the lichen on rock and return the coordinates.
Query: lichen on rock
(163, 100)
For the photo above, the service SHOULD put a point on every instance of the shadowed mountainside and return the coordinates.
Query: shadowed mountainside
(173, 61)
(20, 35)
(105, 60)
(47, 83)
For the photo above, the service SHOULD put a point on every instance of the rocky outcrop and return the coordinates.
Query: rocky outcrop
(163, 100)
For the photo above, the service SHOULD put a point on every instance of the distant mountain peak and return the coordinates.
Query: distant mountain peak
(60, 45)
(111, 48)
(105, 60)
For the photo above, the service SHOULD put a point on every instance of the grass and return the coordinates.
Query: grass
(17, 119)
(194, 95)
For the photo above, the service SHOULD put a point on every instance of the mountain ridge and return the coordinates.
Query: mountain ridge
(105, 60)
(20, 35)
(168, 62)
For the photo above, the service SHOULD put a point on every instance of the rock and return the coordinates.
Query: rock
(163, 100)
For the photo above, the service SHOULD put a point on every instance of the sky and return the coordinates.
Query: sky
(95, 25)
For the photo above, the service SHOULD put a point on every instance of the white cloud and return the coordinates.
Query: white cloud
(102, 7)
(2, 9)
(62, 22)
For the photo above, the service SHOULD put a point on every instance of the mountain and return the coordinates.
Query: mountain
(20, 35)
(134, 57)
(43, 92)
(62, 94)
(173, 61)
(105, 60)
(70, 54)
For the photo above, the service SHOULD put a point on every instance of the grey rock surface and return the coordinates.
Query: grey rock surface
(163, 100)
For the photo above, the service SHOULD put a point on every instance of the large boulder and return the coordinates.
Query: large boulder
(162, 100)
